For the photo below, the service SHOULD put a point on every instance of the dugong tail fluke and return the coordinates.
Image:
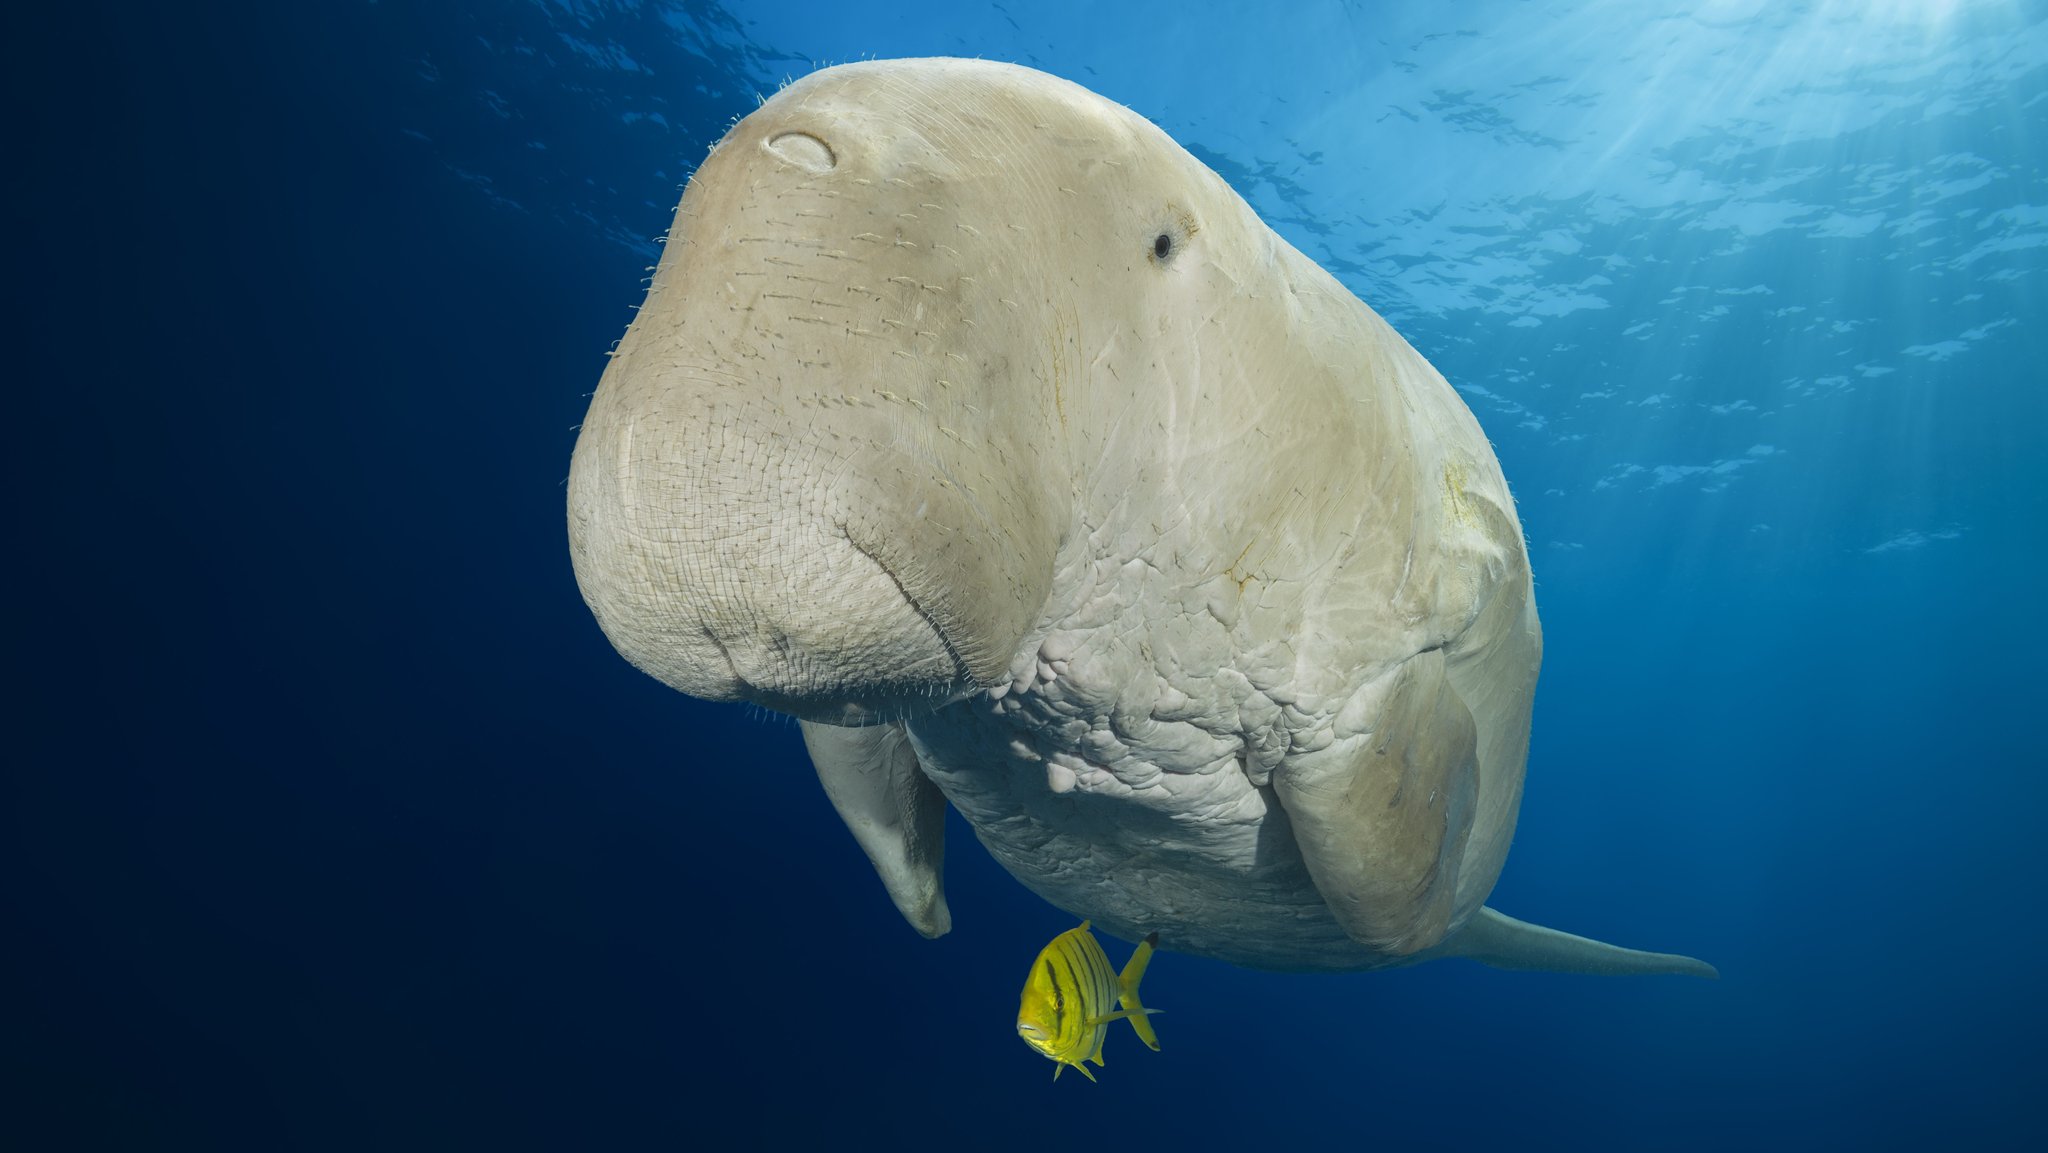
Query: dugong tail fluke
(1496, 939)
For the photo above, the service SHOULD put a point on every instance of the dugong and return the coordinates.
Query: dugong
(973, 422)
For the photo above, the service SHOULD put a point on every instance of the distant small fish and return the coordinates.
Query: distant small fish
(1065, 1012)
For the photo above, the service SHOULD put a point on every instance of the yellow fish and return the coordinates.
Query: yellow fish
(1065, 1012)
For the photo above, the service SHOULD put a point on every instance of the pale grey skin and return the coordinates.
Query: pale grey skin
(1169, 564)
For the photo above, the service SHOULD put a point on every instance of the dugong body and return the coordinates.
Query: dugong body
(978, 425)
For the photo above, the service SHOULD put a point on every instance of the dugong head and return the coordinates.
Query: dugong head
(832, 461)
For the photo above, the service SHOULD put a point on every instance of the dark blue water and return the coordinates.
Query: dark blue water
(334, 822)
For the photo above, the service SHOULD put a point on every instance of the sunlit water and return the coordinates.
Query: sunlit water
(1748, 296)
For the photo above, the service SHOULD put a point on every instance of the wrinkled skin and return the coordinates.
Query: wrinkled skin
(972, 421)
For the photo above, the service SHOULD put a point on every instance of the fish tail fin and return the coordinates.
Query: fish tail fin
(1127, 991)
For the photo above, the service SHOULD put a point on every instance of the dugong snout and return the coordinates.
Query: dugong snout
(737, 563)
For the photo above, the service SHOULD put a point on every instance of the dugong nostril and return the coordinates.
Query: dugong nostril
(803, 150)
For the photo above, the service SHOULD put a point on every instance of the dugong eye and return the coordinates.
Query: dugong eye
(1172, 235)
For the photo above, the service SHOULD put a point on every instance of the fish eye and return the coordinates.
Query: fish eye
(1162, 246)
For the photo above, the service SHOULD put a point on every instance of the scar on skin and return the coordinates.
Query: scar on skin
(1231, 570)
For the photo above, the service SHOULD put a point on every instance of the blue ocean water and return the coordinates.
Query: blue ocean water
(336, 823)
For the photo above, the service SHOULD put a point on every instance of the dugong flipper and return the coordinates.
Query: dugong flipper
(1382, 822)
(969, 408)
(894, 811)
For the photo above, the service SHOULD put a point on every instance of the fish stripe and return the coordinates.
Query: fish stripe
(1093, 981)
(1104, 999)
(1091, 973)
(1059, 1002)
(1070, 1027)
(1078, 1039)
(1105, 978)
